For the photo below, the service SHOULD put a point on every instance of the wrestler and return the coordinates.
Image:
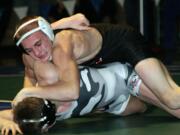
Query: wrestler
(105, 89)
(99, 44)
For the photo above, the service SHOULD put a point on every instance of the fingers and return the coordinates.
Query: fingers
(7, 130)
(11, 129)
(18, 129)
(86, 21)
(83, 21)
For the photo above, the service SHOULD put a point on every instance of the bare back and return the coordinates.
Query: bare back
(86, 44)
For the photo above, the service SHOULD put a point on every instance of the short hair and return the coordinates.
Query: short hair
(34, 115)
(24, 30)
(30, 25)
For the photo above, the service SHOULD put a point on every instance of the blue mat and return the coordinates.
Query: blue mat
(4, 105)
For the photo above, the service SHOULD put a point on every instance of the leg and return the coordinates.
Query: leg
(169, 78)
(134, 106)
(149, 97)
(157, 78)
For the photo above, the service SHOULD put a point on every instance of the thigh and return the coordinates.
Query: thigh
(134, 106)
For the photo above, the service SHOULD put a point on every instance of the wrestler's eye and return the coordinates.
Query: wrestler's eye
(28, 50)
(38, 43)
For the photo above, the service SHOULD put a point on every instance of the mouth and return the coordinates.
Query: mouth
(44, 58)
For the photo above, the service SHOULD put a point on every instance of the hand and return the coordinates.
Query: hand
(10, 126)
(77, 21)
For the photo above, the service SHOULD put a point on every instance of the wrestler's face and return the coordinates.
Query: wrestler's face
(38, 46)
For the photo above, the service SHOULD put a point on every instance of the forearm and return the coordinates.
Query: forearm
(2, 121)
(77, 21)
(61, 24)
(61, 91)
(6, 114)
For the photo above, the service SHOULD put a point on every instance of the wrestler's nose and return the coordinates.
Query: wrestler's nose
(37, 52)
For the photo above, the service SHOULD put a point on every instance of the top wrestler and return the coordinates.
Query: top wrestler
(99, 44)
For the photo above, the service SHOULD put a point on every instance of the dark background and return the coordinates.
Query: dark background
(161, 22)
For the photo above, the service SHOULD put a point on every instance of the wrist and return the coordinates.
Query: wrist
(61, 24)
(67, 22)
(29, 92)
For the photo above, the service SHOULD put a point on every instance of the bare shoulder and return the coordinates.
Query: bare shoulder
(69, 33)
(83, 44)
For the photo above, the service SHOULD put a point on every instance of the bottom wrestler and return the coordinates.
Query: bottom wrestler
(105, 89)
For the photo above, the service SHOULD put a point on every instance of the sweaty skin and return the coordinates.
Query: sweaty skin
(72, 47)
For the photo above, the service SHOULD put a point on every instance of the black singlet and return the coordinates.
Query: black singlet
(121, 44)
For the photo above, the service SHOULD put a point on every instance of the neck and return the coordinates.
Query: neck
(63, 106)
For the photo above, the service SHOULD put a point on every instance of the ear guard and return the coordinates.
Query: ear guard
(43, 25)
(48, 116)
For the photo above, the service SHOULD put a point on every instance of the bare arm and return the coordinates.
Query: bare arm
(77, 21)
(6, 114)
(68, 47)
(67, 87)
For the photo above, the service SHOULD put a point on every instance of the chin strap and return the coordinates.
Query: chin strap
(48, 116)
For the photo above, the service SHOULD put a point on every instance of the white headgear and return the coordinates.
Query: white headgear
(43, 25)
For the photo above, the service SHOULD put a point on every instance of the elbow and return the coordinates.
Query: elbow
(75, 96)
(75, 93)
(72, 96)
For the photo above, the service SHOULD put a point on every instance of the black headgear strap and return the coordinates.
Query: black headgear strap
(48, 116)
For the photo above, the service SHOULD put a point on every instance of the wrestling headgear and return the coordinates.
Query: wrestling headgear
(48, 116)
(43, 25)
